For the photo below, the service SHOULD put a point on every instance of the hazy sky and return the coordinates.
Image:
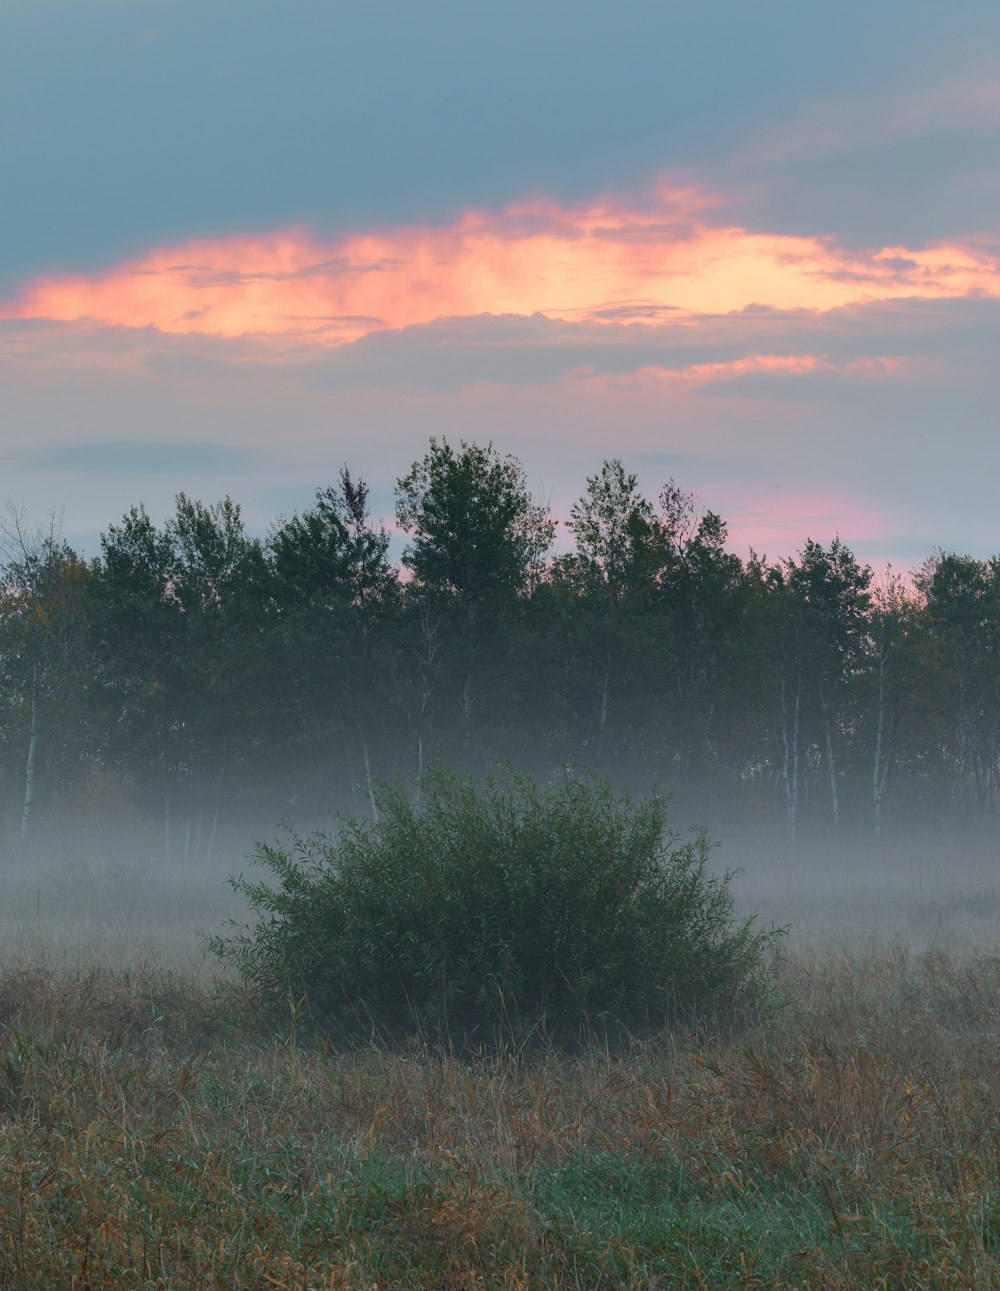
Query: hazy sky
(755, 247)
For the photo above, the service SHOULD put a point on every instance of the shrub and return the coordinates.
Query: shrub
(491, 913)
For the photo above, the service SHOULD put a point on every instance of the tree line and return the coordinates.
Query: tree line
(214, 681)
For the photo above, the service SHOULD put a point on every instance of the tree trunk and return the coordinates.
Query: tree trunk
(351, 781)
(469, 657)
(223, 772)
(425, 658)
(790, 739)
(215, 823)
(831, 764)
(965, 748)
(603, 720)
(880, 763)
(878, 777)
(369, 783)
(29, 770)
(467, 707)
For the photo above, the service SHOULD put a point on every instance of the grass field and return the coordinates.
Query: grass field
(151, 1136)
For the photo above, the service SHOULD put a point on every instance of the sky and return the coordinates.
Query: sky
(754, 248)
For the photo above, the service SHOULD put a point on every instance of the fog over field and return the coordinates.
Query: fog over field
(112, 905)
(193, 690)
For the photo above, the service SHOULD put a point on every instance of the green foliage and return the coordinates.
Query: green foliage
(225, 681)
(474, 528)
(493, 913)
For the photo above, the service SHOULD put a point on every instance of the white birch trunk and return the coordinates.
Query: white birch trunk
(467, 707)
(964, 743)
(425, 657)
(215, 823)
(831, 764)
(369, 782)
(29, 770)
(467, 678)
(880, 764)
(603, 720)
(795, 756)
(790, 740)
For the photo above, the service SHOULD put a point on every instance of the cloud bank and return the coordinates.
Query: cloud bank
(606, 263)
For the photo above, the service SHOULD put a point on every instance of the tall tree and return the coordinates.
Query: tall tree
(895, 639)
(619, 557)
(334, 592)
(176, 612)
(702, 632)
(821, 602)
(962, 602)
(42, 636)
(478, 541)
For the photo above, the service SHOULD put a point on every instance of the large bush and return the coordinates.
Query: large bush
(492, 913)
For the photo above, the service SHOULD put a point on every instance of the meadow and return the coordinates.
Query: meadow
(153, 1135)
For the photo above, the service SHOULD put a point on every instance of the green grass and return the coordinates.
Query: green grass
(151, 1137)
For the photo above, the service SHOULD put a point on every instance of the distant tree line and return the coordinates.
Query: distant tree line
(207, 680)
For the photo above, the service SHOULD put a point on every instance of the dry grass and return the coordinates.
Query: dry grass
(148, 1138)
(152, 1136)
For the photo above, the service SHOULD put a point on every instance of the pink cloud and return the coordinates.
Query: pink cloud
(606, 263)
(778, 522)
(695, 377)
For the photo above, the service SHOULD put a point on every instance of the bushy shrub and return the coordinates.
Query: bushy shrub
(493, 913)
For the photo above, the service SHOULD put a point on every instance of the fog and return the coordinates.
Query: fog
(921, 894)
(195, 689)
(100, 891)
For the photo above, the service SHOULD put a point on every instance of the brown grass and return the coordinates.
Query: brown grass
(149, 1137)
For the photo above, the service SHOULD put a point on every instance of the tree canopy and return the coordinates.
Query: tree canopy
(224, 681)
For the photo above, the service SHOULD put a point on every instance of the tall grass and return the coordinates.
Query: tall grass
(151, 1136)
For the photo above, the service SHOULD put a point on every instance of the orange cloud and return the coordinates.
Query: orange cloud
(698, 374)
(875, 367)
(601, 263)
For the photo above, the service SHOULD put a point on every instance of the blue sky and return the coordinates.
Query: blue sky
(212, 150)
